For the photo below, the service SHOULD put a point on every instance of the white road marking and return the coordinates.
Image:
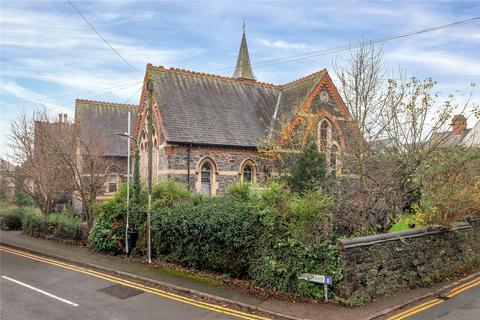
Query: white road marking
(41, 291)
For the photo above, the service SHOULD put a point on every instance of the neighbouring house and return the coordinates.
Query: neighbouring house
(7, 181)
(459, 134)
(472, 139)
(100, 123)
(48, 171)
(208, 130)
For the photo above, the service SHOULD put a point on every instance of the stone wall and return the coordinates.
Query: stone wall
(383, 264)
(228, 162)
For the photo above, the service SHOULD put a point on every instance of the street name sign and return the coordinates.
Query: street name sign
(317, 278)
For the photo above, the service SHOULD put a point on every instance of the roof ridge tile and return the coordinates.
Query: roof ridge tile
(106, 103)
(304, 78)
(213, 76)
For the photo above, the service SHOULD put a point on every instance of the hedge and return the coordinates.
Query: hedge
(11, 218)
(217, 234)
(269, 235)
(65, 225)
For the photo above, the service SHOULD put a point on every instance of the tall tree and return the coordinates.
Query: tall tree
(38, 175)
(365, 91)
(309, 170)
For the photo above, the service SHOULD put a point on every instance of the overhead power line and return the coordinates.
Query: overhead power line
(101, 37)
(312, 54)
(107, 90)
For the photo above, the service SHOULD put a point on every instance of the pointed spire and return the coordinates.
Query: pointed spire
(243, 70)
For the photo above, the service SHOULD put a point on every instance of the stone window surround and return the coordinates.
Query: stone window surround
(198, 180)
(112, 169)
(253, 165)
(330, 143)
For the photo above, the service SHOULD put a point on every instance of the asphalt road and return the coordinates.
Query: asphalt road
(461, 303)
(37, 290)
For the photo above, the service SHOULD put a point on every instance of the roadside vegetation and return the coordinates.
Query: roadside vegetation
(401, 176)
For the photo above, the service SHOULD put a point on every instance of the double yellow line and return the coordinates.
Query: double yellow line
(136, 285)
(434, 302)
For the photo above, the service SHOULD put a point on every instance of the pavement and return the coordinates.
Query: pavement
(98, 290)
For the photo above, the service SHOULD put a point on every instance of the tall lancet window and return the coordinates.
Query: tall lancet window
(206, 179)
(333, 157)
(323, 136)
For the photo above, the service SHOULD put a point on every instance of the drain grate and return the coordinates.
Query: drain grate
(120, 291)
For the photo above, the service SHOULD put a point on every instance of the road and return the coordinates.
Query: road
(34, 287)
(460, 303)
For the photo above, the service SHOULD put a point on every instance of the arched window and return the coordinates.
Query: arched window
(328, 143)
(112, 182)
(247, 173)
(333, 157)
(206, 179)
(324, 135)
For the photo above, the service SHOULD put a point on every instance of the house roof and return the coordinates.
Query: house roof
(449, 139)
(472, 138)
(201, 108)
(103, 120)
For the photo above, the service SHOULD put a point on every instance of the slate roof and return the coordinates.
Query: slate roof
(199, 108)
(472, 139)
(449, 139)
(103, 120)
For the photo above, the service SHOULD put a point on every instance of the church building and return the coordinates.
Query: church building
(209, 130)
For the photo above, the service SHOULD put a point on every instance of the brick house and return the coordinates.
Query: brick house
(208, 129)
(101, 122)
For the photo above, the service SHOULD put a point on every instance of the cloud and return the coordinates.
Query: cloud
(281, 44)
(24, 94)
(437, 61)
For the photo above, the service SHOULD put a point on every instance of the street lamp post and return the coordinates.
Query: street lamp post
(129, 136)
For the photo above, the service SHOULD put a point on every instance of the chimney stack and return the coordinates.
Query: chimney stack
(459, 124)
(60, 117)
(65, 118)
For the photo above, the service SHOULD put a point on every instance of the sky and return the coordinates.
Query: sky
(50, 56)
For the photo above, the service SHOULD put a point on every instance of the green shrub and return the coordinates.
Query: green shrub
(65, 225)
(166, 193)
(34, 223)
(309, 170)
(218, 234)
(22, 199)
(11, 218)
(280, 257)
(312, 216)
(108, 231)
(239, 191)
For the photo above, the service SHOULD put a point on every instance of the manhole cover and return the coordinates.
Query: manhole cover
(120, 291)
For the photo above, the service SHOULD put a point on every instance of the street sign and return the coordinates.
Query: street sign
(317, 278)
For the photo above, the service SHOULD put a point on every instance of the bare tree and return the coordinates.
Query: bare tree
(56, 157)
(82, 155)
(38, 175)
(366, 92)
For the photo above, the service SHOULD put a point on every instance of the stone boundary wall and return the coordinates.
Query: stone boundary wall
(382, 264)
